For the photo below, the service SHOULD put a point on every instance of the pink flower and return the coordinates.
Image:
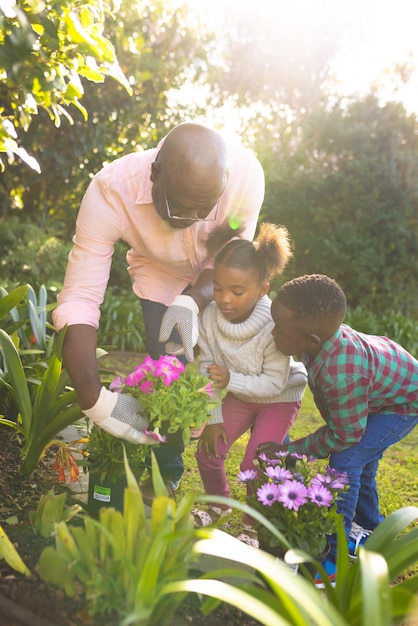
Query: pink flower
(169, 368)
(155, 435)
(117, 384)
(207, 389)
(134, 377)
(147, 386)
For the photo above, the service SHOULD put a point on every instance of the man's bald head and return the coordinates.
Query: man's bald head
(189, 174)
(193, 155)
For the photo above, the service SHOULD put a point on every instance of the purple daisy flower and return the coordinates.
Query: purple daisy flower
(278, 474)
(247, 475)
(338, 480)
(292, 494)
(320, 495)
(268, 493)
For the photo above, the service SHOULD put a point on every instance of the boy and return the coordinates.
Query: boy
(365, 387)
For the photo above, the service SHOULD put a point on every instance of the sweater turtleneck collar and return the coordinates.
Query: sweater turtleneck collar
(251, 326)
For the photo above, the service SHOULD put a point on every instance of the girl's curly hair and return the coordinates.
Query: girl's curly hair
(267, 254)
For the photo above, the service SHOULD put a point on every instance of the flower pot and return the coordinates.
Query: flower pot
(105, 493)
(279, 552)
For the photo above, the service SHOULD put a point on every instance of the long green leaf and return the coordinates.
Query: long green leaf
(376, 590)
(36, 324)
(18, 378)
(394, 524)
(46, 395)
(36, 444)
(299, 596)
(12, 299)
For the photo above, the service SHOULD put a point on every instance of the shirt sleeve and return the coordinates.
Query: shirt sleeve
(344, 407)
(89, 262)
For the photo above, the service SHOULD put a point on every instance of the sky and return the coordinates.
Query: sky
(382, 33)
(387, 34)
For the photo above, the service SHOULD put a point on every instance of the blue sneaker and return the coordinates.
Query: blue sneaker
(330, 569)
(172, 486)
(358, 537)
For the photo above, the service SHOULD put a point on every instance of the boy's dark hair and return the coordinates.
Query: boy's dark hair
(267, 255)
(312, 295)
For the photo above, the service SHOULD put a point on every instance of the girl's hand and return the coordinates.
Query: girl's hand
(208, 442)
(219, 375)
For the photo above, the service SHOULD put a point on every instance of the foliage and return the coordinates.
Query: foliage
(51, 510)
(172, 395)
(121, 323)
(45, 50)
(106, 453)
(157, 47)
(9, 553)
(374, 590)
(344, 184)
(297, 498)
(124, 561)
(46, 402)
(402, 329)
(30, 254)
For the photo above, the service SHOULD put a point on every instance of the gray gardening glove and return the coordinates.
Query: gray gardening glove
(120, 415)
(182, 315)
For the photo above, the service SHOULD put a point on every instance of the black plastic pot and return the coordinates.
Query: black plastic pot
(104, 493)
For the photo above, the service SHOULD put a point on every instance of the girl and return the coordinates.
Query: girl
(237, 351)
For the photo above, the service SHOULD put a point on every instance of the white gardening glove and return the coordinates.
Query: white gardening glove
(182, 315)
(120, 415)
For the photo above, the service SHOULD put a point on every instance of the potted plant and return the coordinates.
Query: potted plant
(298, 498)
(173, 396)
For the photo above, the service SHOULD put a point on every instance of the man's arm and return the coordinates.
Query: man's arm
(79, 355)
(119, 414)
(202, 290)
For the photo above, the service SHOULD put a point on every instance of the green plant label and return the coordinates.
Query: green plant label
(101, 493)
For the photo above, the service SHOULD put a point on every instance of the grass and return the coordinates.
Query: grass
(397, 477)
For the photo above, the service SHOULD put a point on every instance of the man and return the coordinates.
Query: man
(163, 202)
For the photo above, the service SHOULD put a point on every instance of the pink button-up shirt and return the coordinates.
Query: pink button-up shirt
(162, 261)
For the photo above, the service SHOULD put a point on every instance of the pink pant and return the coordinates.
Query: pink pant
(268, 422)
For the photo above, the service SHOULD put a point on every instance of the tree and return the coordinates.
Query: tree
(45, 48)
(157, 47)
(347, 191)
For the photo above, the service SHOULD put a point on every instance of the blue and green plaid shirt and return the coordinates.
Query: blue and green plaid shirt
(353, 376)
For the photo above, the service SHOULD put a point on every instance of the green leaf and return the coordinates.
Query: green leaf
(18, 378)
(10, 554)
(12, 299)
(376, 590)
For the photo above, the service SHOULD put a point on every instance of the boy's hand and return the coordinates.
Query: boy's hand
(219, 375)
(208, 442)
(270, 448)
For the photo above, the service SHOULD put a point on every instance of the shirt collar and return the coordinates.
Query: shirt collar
(144, 195)
(328, 348)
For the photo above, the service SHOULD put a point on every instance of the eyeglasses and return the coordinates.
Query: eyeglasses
(184, 217)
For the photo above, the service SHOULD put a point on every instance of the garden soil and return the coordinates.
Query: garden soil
(28, 601)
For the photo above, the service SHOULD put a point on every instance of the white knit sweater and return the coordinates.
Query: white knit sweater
(258, 371)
